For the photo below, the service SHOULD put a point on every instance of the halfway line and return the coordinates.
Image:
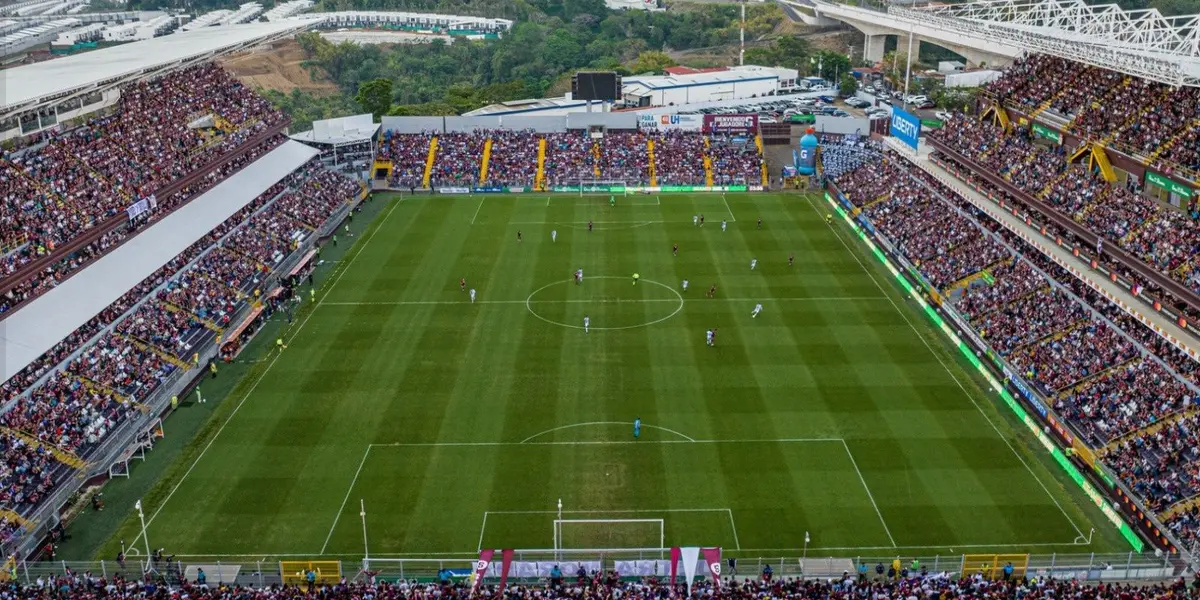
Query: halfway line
(613, 301)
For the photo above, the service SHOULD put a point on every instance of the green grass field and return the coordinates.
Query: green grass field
(838, 411)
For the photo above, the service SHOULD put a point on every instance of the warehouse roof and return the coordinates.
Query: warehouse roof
(30, 84)
(631, 85)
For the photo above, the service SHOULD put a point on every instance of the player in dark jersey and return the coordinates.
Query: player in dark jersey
(675, 250)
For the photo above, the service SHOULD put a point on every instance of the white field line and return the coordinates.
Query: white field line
(732, 219)
(590, 423)
(869, 494)
(477, 211)
(962, 387)
(341, 508)
(736, 541)
(250, 392)
(597, 443)
(607, 511)
(613, 301)
(482, 529)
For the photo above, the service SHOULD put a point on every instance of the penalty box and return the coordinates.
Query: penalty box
(457, 497)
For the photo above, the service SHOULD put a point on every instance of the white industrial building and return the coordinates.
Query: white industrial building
(287, 9)
(34, 36)
(140, 30)
(633, 5)
(415, 21)
(735, 83)
(87, 33)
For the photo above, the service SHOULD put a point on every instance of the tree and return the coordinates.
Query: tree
(375, 96)
(651, 61)
(848, 85)
(832, 65)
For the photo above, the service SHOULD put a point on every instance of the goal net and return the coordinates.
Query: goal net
(603, 186)
(595, 534)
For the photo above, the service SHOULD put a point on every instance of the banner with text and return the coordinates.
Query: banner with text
(670, 122)
(747, 124)
(905, 127)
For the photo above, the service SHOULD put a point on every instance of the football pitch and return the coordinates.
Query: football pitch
(838, 412)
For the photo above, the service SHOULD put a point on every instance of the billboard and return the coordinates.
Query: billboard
(596, 85)
(731, 124)
(670, 122)
(905, 127)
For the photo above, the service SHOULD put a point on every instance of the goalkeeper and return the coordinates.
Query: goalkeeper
(612, 200)
(635, 278)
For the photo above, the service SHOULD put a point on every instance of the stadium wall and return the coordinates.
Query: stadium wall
(540, 124)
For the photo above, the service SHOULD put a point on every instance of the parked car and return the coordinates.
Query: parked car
(943, 115)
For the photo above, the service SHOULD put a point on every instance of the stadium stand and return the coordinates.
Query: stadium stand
(408, 154)
(610, 585)
(89, 176)
(514, 158)
(1118, 383)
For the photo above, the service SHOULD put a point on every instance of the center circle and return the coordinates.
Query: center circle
(611, 302)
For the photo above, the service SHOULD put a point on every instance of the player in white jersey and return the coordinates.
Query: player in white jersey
(708, 337)
(553, 235)
(753, 263)
(757, 309)
(587, 322)
(472, 295)
(685, 284)
(695, 220)
(723, 224)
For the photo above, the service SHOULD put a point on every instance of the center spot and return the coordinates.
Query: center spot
(610, 302)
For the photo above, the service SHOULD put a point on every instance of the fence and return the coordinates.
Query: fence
(271, 571)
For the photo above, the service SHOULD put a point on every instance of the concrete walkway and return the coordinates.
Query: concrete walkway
(1139, 307)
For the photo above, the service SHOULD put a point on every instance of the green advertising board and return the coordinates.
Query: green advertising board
(1169, 184)
(1045, 132)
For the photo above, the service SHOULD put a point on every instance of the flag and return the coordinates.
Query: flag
(690, 557)
(712, 557)
(481, 568)
(506, 557)
(675, 554)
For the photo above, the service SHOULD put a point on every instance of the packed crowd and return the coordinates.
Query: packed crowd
(54, 192)
(1138, 115)
(611, 586)
(1165, 239)
(513, 161)
(1111, 383)
(45, 279)
(571, 158)
(846, 154)
(75, 405)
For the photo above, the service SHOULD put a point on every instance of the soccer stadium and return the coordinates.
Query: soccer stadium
(590, 347)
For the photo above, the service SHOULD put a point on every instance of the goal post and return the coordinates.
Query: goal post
(579, 534)
(602, 186)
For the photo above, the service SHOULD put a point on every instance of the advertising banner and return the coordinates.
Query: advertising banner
(454, 190)
(1046, 133)
(490, 189)
(670, 122)
(745, 124)
(481, 568)
(712, 559)
(1168, 184)
(905, 127)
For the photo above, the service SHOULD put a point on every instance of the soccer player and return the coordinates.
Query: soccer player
(695, 220)
(757, 309)
(675, 250)
(723, 224)
(589, 225)
(518, 235)
(637, 428)
(712, 291)
(828, 219)
(791, 259)
(685, 284)
(702, 219)
(753, 263)
(472, 295)
(612, 201)
(708, 337)
(587, 323)
(553, 235)
(462, 284)
(636, 277)
(578, 277)
(760, 222)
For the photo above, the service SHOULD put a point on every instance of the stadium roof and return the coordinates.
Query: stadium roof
(1143, 43)
(28, 86)
(343, 130)
(48, 319)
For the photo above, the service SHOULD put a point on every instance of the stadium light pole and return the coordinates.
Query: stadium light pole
(362, 514)
(908, 65)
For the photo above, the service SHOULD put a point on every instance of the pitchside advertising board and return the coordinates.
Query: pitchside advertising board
(745, 124)
(670, 122)
(905, 127)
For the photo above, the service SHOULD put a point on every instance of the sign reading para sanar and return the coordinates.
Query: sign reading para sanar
(670, 122)
(905, 127)
(746, 124)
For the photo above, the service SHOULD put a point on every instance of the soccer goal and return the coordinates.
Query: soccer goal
(603, 186)
(594, 534)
